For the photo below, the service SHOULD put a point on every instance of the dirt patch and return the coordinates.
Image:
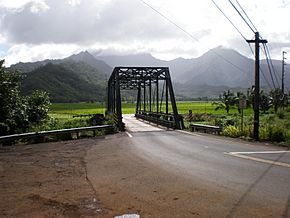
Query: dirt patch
(47, 180)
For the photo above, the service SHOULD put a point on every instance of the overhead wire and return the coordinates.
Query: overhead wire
(254, 29)
(261, 71)
(270, 70)
(228, 19)
(233, 25)
(271, 62)
(169, 20)
(246, 15)
(266, 48)
(190, 35)
(265, 78)
(241, 16)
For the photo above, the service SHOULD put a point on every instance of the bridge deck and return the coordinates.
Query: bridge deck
(137, 125)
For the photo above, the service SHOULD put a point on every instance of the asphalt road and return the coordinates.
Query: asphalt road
(233, 178)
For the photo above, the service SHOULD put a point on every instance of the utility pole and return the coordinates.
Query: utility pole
(257, 42)
(283, 69)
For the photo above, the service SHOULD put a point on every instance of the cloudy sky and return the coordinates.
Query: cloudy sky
(38, 29)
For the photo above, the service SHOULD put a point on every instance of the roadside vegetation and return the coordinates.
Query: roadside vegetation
(274, 116)
(22, 113)
(30, 113)
(19, 113)
(274, 127)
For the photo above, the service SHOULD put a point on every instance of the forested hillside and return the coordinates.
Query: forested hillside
(68, 81)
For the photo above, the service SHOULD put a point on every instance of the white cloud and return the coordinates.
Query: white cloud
(29, 53)
(131, 26)
(38, 7)
(14, 3)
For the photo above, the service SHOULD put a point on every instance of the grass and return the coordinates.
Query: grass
(67, 110)
(64, 112)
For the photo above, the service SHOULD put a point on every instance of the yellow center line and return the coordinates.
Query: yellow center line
(236, 154)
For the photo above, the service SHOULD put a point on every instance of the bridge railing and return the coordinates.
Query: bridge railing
(14, 137)
(159, 118)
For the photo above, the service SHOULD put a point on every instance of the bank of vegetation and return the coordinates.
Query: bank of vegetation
(20, 112)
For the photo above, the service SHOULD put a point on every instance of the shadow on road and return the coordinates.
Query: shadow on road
(250, 188)
(287, 208)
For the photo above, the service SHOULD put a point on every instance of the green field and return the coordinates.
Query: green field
(273, 127)
(67, 110)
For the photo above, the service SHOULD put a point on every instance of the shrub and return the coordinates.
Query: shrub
(263, 133)
(276, 133)
(232, 131)
(247, 131)
(198, 117)
(288, 138)
(226, 121)
(75, 123)
(19, 113)
(281, 114)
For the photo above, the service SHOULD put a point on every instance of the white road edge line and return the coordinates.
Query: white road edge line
(129, 134)
(259, 152)
(236, 154)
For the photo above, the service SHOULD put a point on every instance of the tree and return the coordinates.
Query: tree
(17, 112)
(227, 99)
(37, 107)
(278, 98)
(12, 108)
(240, 96)
(265, 102)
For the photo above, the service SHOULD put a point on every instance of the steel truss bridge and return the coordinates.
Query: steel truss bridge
(155, 96)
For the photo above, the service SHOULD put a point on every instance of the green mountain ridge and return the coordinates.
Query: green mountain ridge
(83, 76)
(68, 81)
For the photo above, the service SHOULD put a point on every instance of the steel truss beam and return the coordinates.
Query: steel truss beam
(150, 84)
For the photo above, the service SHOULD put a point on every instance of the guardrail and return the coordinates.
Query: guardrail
(157, 120)
(54, 132)
(205, 128)
(161, 118)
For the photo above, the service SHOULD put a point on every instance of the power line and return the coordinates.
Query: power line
(190, 35)
(265, 78)
(169, 20)
(232, 24)
(270, 71)
(242, 16)
(246, 15)
(241, 35)
(261, 71)
(253, 29)
(274, 71)
(228, 19)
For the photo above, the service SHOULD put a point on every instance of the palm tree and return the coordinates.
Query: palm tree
(278, 98)
(265, 102)
(227, 99)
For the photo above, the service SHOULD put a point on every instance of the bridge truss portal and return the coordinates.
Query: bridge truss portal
(155, 96)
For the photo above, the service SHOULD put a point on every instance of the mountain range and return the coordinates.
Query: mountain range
(83, 76)
(74, 79)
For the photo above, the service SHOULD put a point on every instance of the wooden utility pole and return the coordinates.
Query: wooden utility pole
(257, 42)
(283, 70)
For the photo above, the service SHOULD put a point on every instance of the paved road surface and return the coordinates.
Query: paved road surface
(163, 173)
